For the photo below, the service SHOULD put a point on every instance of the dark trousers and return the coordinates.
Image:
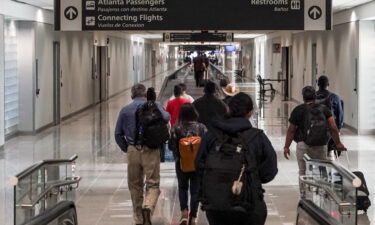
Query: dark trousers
(257, 217)
(186, 181)
(198, 77)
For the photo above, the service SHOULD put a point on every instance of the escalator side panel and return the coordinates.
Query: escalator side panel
(309, 214)
(64, 213)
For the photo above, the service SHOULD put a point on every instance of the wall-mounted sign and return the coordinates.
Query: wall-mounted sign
(192, 48)
(276, 48)
(198, 37)
(193, 15)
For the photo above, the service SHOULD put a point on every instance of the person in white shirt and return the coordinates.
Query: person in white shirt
(184, 95)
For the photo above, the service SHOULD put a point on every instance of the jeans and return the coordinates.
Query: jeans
(186, 181)
(198, 77)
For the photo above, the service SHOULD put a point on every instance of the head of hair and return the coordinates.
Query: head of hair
(151, 94)
(223, 82)
(240, 105)
(308, 93)
(210, 88)
(183, 86)
(138, 91)
(323, 82)
(188, 113)
(177, 91)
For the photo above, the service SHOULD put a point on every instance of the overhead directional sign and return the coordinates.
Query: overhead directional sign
(71, 13)
(191, 48)
(193, 15)
(198, 37)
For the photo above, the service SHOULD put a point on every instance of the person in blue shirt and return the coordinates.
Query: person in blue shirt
(143, 162)
(334, 103)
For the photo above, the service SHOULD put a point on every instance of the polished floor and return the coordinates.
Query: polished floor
(103, 196)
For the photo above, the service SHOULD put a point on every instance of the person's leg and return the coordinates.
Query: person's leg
(259, 215)
(213, 217)
(135, 182)
(196, 75)
(301, 151)
(194, 195)
(151, 168)
(183, 188)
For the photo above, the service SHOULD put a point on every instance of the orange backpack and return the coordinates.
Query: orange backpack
(188, 147)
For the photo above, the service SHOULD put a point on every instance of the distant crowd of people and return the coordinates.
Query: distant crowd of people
(221, 160)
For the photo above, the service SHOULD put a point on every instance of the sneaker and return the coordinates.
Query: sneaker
(146, 213)
(184, 218)
(192, 221)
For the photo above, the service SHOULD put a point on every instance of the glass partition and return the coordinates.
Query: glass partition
(42, 186)
(332, 188)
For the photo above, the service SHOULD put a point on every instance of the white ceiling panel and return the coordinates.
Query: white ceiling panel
(340, 5)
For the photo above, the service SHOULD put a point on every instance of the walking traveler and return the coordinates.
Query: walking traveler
(143, 161)
(209, 107)
(185, 142)
(311, 126)
(229, 91)
(184, 94)
(199, 69)
(334, 103)
(238, 158)
(174, 106)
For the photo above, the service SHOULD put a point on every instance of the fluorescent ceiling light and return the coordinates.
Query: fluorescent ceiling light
(149, 36)
(246, 36)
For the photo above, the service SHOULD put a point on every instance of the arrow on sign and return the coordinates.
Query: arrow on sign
(71, 13)
(315, 12)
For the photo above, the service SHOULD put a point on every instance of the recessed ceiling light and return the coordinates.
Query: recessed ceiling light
(246, 36)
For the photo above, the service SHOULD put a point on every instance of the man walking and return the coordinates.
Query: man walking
(143, 162)
(199, 68)
(310, 125)
(333, 102)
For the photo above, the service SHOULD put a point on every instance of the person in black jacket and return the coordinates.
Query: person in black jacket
(209, 107)
(240, 110)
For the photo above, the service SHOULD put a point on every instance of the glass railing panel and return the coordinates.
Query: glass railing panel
(42, 186)
(331, 188)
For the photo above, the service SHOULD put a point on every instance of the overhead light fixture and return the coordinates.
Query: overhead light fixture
(246, 36)
(150, 36)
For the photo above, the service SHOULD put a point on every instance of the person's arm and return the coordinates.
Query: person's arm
(289, 139)
(268, 167)
(173, 142)
(335, 134)
(165, 114)
(120, 135)
(339, 112)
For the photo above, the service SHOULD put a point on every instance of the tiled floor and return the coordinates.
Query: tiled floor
(103, 197)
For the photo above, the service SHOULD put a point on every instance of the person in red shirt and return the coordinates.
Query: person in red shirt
(174, 106)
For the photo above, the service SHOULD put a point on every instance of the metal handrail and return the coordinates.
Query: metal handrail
(33, 168)
(74, 180)
(304, 179)
(221, 72)
(354, 180)
(169, 77)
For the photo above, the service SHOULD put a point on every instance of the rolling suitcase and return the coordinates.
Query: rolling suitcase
(363, 200)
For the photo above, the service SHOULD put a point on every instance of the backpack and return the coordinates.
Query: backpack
(152, 129)
(316, 127)
(321, 99)
(224, 163)
(188, 148)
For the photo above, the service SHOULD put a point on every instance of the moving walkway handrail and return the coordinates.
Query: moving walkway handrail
(40, 164)
(304, 179)
(74, 180)
(217, 69)
(354, 180)
(165, 82)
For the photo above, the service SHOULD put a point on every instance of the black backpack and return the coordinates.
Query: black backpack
(223, 166)
(316, 127)
(152, 129)
(325, 100)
